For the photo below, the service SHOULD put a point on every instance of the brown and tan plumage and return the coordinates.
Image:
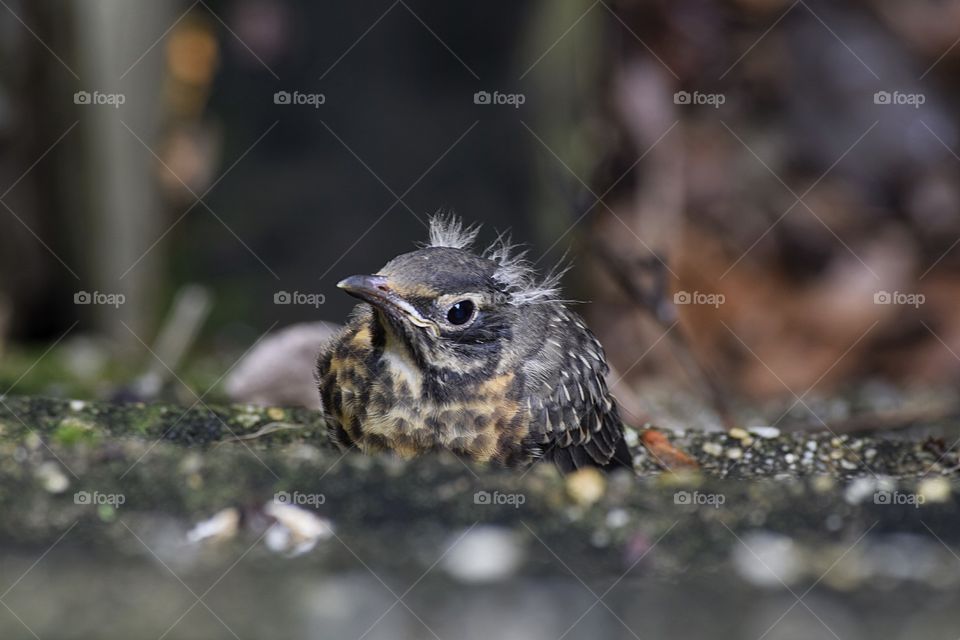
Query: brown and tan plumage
(456, 351)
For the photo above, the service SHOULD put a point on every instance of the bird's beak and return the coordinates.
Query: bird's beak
(378, 291)
(373, 289)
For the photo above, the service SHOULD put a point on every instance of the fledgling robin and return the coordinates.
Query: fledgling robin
(469, 353)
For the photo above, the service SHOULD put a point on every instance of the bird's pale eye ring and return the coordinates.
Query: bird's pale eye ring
(460, 312)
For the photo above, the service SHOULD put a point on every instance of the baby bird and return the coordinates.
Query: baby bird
(470, 353)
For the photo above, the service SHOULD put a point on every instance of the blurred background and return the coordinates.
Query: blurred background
(761, 203)
(760, 198)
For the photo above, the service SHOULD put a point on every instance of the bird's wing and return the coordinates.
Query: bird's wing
(574, 418)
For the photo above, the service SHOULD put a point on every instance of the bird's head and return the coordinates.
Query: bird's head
(452, 308)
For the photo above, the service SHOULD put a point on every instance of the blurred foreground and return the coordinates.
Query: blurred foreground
(268, 531)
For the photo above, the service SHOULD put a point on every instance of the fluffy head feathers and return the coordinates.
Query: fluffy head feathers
(513, 272)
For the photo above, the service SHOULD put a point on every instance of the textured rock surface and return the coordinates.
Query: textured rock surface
(863, 531)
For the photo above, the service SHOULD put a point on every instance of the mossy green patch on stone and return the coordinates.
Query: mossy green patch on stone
(144, 420)
(72, 431)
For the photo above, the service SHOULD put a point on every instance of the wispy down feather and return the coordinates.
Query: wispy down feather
(446, 230)
(514, 273)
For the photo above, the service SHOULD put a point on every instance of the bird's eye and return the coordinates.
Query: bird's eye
(460, 312)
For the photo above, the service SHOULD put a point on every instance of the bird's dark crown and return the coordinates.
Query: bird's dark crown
(435, 271)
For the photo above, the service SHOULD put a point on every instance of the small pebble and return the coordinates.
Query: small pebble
(860, 490)
(789, 458)
(713, 449)
(52, 478)
(617, 518)
(222, 525)
(484, 554)
(767, 559)
(765, 432)
(738, 433)
(77, 405)
(32, 442)
(296, 530)
(935, 489)
(247, 419)
(276, 413)
(586, 486)
(734, 453)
